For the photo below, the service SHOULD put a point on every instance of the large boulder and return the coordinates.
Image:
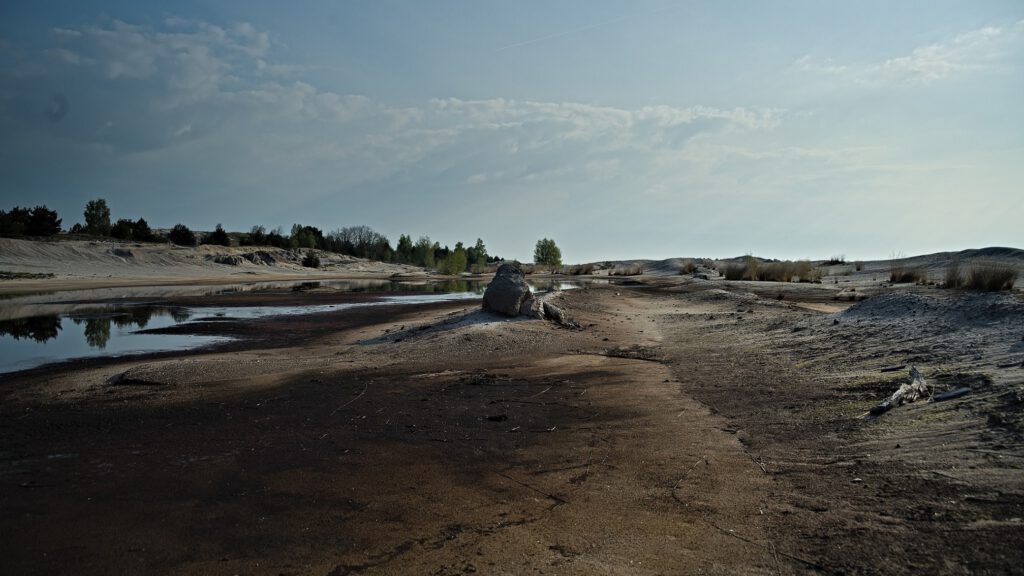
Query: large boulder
(507, 292)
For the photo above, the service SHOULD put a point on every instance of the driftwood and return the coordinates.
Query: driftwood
(913, 389)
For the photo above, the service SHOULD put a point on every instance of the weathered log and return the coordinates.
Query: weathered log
(914, 389)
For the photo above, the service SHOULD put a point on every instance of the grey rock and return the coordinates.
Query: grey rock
(227, 259)
(507, 292)
(260, 257)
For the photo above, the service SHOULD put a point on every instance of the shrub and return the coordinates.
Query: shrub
(581, 270)
(218, 237)
(311, 260)
(688, 267)
(734, 271)
(122, 229)
(627, 271)
(784, 271)
(141, 231)
(858, 265)
(181, 235)
(833, 261)
(991, 277)
(903, 275)
(954, 277)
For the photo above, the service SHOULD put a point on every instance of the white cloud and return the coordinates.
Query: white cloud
(970, 51)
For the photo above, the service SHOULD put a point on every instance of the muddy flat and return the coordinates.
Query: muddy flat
(685, 428)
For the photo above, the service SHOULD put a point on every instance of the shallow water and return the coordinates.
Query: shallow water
(43, 329)
(31, 342)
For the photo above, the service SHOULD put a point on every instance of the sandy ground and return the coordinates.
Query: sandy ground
(689, 427)
(46, 266)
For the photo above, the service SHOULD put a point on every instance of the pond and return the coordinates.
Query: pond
(43, 329)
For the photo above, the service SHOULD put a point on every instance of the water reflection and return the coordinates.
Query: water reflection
(96, 328)
(38, 328)
(97, 332)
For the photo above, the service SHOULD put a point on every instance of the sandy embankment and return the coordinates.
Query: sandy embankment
(74, 265)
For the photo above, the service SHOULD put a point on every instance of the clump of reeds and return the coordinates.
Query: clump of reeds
(784, 271)
(991, 277)
(902, 275)
(627, 271)
(954, 277)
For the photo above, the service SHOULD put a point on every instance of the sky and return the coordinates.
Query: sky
(620, 129)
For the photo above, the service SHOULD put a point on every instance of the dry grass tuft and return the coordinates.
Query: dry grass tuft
(579, 270)
(954, 277)
(991, 277)
(785, 271)
(627, 271)
(688, 267)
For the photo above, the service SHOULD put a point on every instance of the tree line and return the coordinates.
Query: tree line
(357, 241)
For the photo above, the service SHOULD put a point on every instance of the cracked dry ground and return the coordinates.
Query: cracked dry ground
(675, 434)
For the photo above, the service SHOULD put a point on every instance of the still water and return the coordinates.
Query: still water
(52, 328)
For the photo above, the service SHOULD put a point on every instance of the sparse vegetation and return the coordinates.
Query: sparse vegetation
(637, 270)
(900, 273)
(915, 275)
(954, 277)
(991, 277)
(5, 275)
(785, 271)
(580, 270)
(311, 260)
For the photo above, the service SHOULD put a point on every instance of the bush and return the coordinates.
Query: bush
(899, 273)
(688, 267)
(954, 277)
(991, 277)
(122, 229)
(734, 271)
(181, 235)
(903, 275)
(218, 237)
(627, 271)
(858, 265)
(785, 271)
(581, 270)
(142, 232)
(833, 261)
(311, 260)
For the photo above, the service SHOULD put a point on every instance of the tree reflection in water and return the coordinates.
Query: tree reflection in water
(97, 332)
(96, 329)
(38, 328)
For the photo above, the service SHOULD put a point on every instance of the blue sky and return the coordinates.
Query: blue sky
(620, 129)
